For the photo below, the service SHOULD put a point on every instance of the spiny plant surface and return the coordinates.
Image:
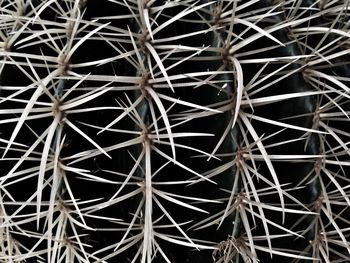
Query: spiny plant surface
(174, 131)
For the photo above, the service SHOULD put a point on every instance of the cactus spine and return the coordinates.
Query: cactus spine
(174, 131)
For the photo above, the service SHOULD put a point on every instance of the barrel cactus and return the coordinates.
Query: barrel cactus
(174, 131)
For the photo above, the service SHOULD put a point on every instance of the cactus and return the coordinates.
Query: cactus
(174, 131)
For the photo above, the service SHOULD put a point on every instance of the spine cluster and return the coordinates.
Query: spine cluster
(174, 131)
